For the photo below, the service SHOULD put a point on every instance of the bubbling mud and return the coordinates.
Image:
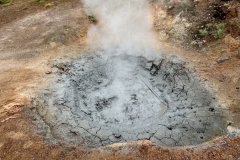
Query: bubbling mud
(101, 99)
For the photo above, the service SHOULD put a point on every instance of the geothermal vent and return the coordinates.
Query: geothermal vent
(99, 99)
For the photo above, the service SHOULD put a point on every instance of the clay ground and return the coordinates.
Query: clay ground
(33, 37)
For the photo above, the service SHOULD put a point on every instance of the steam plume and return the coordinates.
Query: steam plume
(121, 23)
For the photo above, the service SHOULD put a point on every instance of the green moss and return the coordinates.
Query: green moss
(202, 32)
(6, 5)
(92, 19)
(6, 1)
(226, 5)
(49, 4)
(221, 26)
(219, 32)
(24, 8)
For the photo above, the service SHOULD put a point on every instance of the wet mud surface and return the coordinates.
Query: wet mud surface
(100, 99)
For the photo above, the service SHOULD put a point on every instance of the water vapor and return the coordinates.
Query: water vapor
(121, 23)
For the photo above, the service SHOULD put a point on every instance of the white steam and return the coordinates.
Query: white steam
(121, 23)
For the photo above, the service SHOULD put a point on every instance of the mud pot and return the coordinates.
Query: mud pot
(99, 99)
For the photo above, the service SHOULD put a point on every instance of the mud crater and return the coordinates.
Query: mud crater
(101, 99)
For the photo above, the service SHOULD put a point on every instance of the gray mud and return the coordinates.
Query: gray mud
(99, 100)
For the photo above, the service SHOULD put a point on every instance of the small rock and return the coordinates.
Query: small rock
(48, 72)
(224, 59)
(117, 135)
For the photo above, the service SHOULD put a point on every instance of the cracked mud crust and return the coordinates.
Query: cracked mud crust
(102, 99)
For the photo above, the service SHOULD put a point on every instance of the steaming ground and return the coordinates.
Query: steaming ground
(125, 23)
(103, 97)
(100, 99)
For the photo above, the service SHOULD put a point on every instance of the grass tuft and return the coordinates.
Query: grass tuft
(193, 43)
(202, 32)
(92, 19)
(49, 4)
(24, 8)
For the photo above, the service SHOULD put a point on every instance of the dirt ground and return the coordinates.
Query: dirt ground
(33, 37)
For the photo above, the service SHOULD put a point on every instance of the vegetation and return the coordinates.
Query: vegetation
(49, 4)
(209, 25)
(7, 3)
(226, 5)
(221, 27)
(24, 8)
(203, 32)
(193, 43)
(92, 19)
(207, 32)
(219, 32)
